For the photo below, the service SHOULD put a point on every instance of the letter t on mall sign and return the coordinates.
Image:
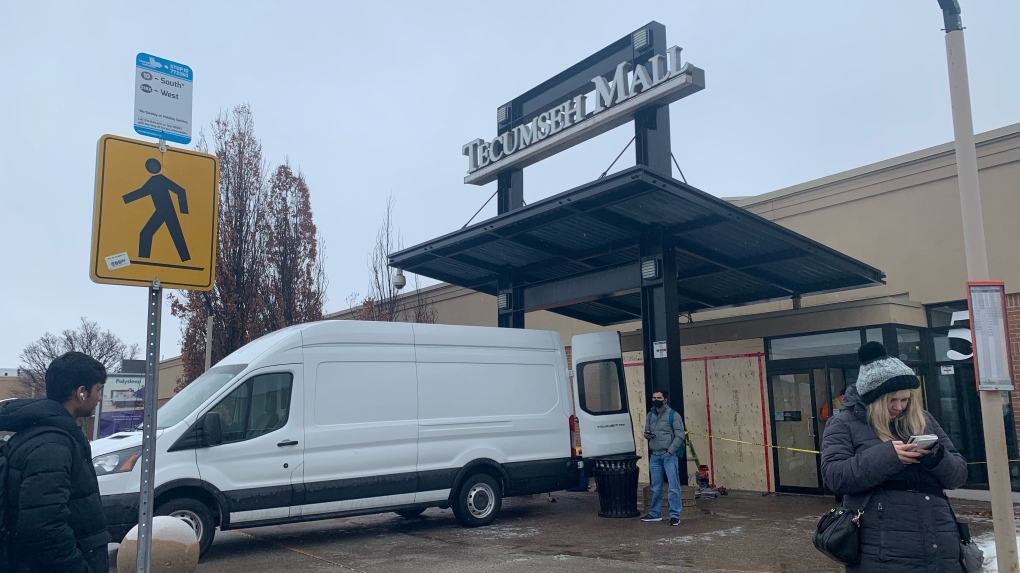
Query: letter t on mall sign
(156, 215)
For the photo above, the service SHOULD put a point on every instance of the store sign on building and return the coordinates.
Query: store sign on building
(123, 403)
(611, 102)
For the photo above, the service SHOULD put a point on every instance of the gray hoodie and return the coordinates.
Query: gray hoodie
(667, 439)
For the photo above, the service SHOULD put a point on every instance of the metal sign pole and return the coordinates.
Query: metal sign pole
(148, 466)
(977, 270)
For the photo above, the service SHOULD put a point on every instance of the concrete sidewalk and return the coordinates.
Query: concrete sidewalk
(741, 532)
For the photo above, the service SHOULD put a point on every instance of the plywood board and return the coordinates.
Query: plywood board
(695, 416)
(734, 402)
(736, 408)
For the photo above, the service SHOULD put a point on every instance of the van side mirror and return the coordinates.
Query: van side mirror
(212, 432)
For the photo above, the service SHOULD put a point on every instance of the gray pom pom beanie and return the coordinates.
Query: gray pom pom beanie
(881, 374)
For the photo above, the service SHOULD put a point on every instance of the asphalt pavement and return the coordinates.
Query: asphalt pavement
(739, 533)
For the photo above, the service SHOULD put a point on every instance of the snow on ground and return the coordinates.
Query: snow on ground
(987, 544)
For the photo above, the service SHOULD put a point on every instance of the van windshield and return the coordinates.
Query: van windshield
(192, 396)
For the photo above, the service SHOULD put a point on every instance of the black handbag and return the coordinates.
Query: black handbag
(838, 533)
(971, 557)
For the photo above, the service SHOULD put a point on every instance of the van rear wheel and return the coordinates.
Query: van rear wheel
(197, 515)
(478, 501)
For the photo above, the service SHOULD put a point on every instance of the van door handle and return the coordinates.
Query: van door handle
(287, 443)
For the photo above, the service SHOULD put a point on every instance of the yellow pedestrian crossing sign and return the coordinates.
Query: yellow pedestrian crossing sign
(139, 232)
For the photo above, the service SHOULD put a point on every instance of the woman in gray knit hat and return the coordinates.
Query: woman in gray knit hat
(907, 525)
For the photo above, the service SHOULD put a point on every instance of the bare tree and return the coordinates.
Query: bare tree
(241, 256)
(296, 289)
(384, 301)
(88, 338)
(269, 269)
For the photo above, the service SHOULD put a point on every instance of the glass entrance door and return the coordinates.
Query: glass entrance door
(795, 428)
(802, 402)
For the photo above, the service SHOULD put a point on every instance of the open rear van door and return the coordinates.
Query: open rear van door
(600, 395)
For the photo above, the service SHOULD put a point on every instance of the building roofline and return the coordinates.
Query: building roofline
(434, 290)
(897, 299)
(981, 139)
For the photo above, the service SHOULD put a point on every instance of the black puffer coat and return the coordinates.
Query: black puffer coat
(59, 522)
(902, 531)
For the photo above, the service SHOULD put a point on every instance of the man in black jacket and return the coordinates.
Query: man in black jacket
(52, 489)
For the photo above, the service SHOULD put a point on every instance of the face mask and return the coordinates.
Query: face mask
(657, 403)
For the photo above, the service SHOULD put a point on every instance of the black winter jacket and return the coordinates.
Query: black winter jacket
(59, 516)
(907, 525)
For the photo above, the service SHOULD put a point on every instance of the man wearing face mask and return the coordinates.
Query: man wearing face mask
(664, 431)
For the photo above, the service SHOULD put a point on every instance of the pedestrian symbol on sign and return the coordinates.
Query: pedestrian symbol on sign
(155, 215)
(159, 187)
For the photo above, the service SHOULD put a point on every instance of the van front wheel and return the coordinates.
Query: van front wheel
(478, 501)
(194, 513)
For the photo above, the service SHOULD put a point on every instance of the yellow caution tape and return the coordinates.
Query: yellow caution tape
(753, 443)
(802, 450)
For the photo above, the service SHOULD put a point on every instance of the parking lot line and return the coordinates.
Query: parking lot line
(298, 551)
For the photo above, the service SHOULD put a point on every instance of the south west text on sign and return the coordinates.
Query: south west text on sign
(163, 97)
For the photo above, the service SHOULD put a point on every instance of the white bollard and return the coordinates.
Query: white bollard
(174, 547)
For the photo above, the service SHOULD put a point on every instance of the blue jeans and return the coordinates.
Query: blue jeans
(658, 466)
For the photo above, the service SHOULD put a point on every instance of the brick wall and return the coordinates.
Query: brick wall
(1013, 319)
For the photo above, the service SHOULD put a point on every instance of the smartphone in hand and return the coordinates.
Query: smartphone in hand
(924, 442)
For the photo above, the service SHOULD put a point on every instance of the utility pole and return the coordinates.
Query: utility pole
(977, 270)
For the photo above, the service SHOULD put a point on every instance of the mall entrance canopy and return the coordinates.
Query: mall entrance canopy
(578, 253)
(636, 245)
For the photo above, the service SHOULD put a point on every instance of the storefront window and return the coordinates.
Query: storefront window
(953, 397)
(873, 335)
(829, 344)
(951, 408)
(952, 346)
(908, 343)
(947, 315)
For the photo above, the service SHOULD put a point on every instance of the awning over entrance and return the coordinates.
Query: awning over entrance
(576, 253)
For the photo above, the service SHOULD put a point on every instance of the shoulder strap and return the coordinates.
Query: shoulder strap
(864, 503)
(23, 436)
(962, 528)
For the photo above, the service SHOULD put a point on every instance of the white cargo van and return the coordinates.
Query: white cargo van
(340, 418)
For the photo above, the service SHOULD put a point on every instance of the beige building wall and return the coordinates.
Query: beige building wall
(169, 371)
(10, 387)
(456, 305)
(903, 217)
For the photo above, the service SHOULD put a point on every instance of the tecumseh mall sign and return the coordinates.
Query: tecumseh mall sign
(612, 101)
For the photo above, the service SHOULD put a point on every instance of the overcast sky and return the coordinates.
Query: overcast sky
(377, 98)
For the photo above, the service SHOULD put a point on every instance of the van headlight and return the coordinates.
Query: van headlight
(117, 462)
